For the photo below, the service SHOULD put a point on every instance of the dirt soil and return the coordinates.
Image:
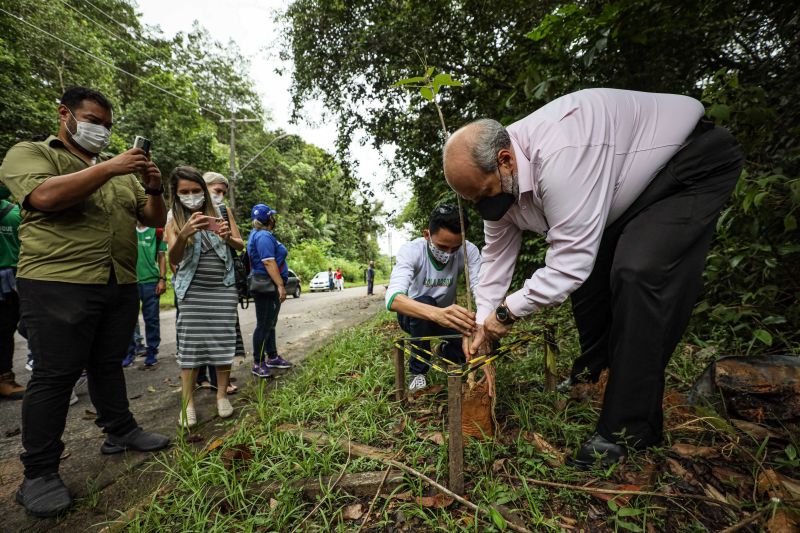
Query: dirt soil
(305, 324)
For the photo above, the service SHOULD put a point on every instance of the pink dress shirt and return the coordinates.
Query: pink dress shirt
(582, 161)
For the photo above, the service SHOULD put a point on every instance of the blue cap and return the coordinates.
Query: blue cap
(262, 212)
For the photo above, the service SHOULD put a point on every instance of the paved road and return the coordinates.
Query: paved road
(304, 324)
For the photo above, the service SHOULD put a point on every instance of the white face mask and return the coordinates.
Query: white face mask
(192, 202)
(91, 137)
(218, 198)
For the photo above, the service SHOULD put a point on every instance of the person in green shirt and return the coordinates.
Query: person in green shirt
(9, 301)
(151, 271)
(76, 281)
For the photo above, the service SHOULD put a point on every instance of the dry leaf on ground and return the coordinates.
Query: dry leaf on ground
(555, 456)
(238, 452)
(353, 512)
(214, 445)
(757, 431)
(778, 486)
(781, 522)
(620, 499)
(434, 436)
(273, 503)
(498, 465)
(690, 450)
(439, 501)
(400, 426)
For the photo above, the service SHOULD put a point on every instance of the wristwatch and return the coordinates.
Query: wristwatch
(154, 192)
(503, 315)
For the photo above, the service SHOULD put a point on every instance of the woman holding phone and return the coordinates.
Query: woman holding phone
(204, 287)
(218, 189)
(267, 264)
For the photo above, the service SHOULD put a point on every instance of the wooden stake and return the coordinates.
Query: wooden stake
(550, 355)
(399, 373)
(455, 439)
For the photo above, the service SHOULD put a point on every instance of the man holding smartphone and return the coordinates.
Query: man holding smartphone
(76, 281)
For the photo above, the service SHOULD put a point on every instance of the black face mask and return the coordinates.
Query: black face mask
(493, 208)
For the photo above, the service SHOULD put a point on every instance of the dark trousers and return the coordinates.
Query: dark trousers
(70, 328)
(152, 324)
(9, 318)
(268, 306)
(636, 304)
(418, 327)
(369, 286)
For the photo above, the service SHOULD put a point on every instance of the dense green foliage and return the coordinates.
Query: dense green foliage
(317, 198)
(739, 57)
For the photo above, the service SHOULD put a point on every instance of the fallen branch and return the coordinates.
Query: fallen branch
(318, 437)
(747, 521)
(330, 488)
(597, 490)
(374, 499)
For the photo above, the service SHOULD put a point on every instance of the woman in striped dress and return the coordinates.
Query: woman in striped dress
(204, 287)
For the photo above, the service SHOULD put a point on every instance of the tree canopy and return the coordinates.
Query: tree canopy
(177, 92)
(738, 57)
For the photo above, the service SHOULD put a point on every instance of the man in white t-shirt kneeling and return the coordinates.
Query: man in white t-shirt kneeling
(422, 289)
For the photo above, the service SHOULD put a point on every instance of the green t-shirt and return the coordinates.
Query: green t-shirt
(9, 238)
(147, 260)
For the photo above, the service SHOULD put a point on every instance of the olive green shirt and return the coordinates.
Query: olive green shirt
(79, 244)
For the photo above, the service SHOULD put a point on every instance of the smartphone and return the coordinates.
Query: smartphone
(144, 144)
(213, 224)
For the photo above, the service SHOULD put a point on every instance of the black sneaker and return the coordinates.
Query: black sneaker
(136, 439)
(44, 496)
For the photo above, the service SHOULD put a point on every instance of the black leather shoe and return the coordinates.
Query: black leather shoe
(136, 439)
(44, 496)
(596, 449)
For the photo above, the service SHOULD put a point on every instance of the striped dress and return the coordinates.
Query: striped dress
(207, 319)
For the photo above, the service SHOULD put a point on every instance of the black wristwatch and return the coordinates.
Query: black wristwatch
(154, 192)
(503, 315)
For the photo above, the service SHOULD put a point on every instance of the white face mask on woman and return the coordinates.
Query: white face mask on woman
(192, 202)
(218, 198)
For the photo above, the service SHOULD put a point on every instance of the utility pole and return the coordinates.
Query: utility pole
(232, 178)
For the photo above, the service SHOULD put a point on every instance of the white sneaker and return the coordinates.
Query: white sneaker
(74, 398)
(417, 382)
(80, 385)
(224, 408)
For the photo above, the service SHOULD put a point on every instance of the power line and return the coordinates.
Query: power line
(109, 32)
(143, 80)
(107, 16)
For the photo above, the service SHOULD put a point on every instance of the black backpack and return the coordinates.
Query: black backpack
(241, 268)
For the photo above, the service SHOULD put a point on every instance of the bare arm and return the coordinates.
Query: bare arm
(275, 274)
(236, 241)
(177, 241)
(61, 192)
(453, 316)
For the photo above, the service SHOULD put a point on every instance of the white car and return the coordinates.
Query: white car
(320, 282)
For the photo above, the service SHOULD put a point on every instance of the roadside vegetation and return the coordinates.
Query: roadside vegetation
(252, 479)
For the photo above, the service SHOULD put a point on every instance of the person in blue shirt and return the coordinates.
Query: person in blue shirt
(267, 258)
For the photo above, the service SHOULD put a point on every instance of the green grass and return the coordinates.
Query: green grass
(346, 390)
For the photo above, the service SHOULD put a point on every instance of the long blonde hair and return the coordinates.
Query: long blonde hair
(180, 214)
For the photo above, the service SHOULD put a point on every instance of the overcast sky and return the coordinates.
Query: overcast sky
(251, 23)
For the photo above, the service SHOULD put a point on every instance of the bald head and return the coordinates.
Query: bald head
(472, 156)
